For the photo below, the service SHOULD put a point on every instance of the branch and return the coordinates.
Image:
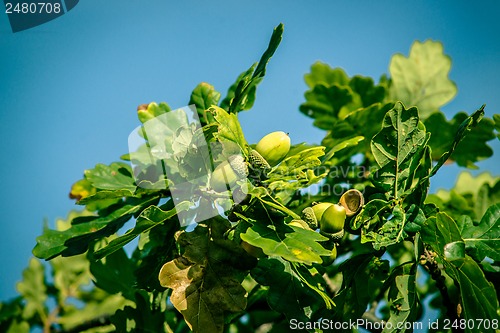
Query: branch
(428, 261)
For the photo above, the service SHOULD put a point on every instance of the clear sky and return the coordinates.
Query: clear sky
(69, 88)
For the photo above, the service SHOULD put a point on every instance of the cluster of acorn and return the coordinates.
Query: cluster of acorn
(330, 219)
(270, 151)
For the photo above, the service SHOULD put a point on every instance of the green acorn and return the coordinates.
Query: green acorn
(333, 219)
(228, 172)
(274, 147)
(319, 209)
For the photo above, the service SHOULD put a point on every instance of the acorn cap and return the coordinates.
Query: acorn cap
(239, 165)
(257, 161)
(310, 218)
(352, 200)
(334, 237)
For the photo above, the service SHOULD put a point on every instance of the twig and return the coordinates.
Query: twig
(428, 261)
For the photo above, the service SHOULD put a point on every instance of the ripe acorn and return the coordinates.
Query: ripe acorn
(274, 147)
(333, 219)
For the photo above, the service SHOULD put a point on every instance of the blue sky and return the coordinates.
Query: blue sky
(69, 88)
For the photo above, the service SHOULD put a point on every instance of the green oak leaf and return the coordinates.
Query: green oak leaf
(391, 232)
(74, 317)
(471, 195)
(146, 112)
(203, 97)
(326, 102)
(298, 245)
(111, 196)
(241, 94)
(496, 119)
(403, 303)
(358, 123)
(440, 230)
(154, 247)
(333, 94)
(241, 80)
(206, 279)
(474, 146)
(115, 274)
(287, 293)
(295, 172)
(33, 289)
(340, 146)
(294, 165)
(143, 316)
(486, 196)
(116, 176)
(70, 276)
(371, 214)
(421, 80)
(149, 218)
(363, 277)
(229, 128)
(322, 73)
(477, 294)
(421, 179)
(464, 152)
(368, 92)
(10, 309)
(17, 326)
(75, 240)
(483, 239)
(398, 149)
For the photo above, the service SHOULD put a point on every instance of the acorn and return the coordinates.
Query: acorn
(228, 172)
(319, 209)
(352, 200)
(333, 219)
(274, 147)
